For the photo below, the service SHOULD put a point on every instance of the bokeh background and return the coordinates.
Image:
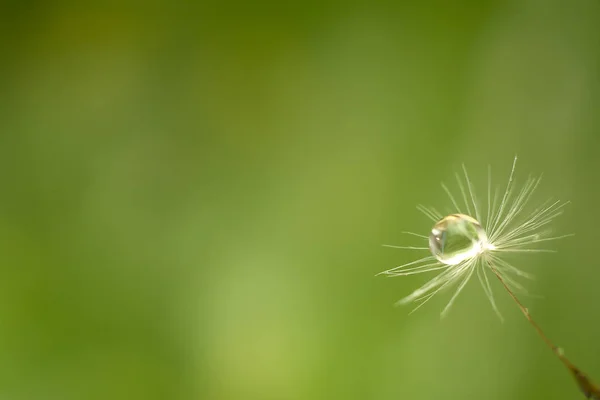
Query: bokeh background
(193, 196)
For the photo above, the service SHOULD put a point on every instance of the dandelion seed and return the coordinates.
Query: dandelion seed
(461, 244)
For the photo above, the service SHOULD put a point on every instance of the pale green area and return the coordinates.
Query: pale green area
(193, 198)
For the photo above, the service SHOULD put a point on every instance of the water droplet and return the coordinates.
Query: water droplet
(456, 238)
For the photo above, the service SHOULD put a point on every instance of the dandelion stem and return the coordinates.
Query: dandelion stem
(589, 389)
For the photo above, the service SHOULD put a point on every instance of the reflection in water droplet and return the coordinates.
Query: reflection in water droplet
(456, 238)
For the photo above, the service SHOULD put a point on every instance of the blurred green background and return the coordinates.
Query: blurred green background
(194, 196)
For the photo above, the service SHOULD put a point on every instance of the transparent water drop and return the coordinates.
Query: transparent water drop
(456, 238)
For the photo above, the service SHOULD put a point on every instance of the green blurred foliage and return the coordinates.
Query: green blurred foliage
(194, 195)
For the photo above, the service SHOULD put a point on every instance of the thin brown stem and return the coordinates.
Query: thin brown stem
(589, 389)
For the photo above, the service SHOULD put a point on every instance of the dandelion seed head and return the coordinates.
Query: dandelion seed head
(469, 241)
